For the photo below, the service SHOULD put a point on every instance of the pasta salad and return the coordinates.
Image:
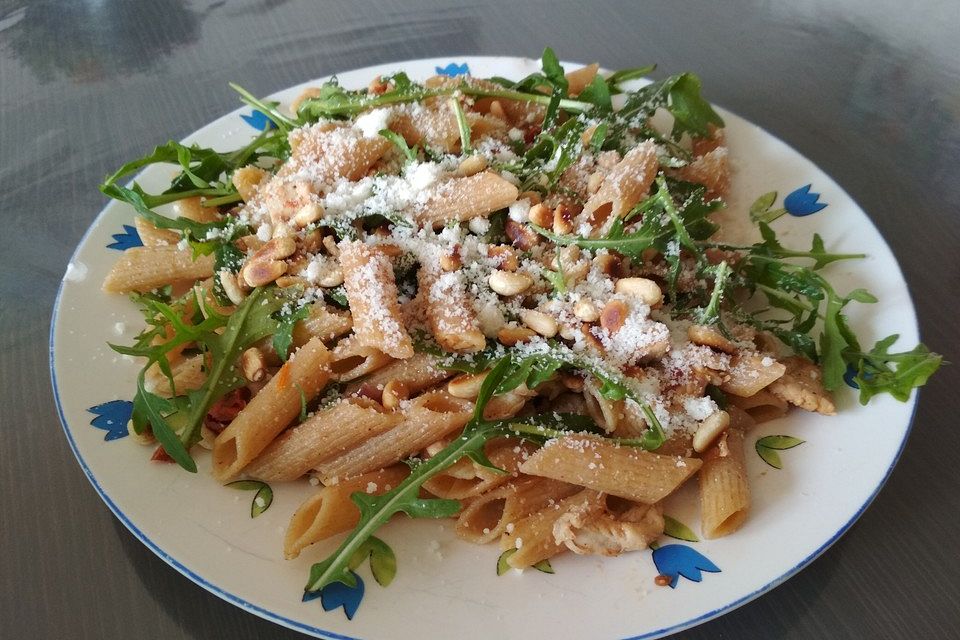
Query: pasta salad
(503, 302)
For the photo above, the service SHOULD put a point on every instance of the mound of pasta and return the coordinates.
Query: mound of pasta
(503, 302)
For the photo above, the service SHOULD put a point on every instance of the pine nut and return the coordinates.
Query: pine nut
(231, 287)
(466, 385)
(276, 249)
(510, 336)
(505, 256)
(496, 110)
(394, 393)
(308, 214)
(258, 274)
(451, 261)
(522, 237)
(540, 322)
(586, 311)
(708, 336)
(290, 281)
(644, 290)
(330, 244)
(613, 316)
(253, 364)
(541, 215)
(508, 283)
(608, 264)
(562, 220)
(331, 277)
(710, 429)
(471, 165)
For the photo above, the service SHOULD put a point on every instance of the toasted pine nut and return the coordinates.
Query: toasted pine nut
(466, 385)
(540, 322)
(644, 290)
(330, 244)
(710, 429)
(471, 165)
(505, 256)
(562, 220)
(613, 316)
(510, 336)
(496, 110)
(394, 392)
(541, 215)
(308, 214)
(522, 236)
(257, 274)
(586, 311)
(231, 287)
(276, 249)
(331, 277)
(290, 281)
(451, 261)
(508, 283)
(608, 264)
(708, 336)
(253, 364)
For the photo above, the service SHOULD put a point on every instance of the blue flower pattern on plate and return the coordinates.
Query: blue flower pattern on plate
(258, 120)
(126, 240)
(112, 417)
(675, 560)
(802, 203)
(453, 70)
(339, 595)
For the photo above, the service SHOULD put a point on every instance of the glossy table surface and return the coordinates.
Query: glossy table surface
(868, 90)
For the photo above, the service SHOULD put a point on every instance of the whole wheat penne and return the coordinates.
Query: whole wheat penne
(724, 490)
(426, 419)
(449, 313)
(578, 79)
(532, 536)
(465, 198)
(328, 433)
(372, 291)
(271, 410)
(151, 236)
(323, 322)
(749, 372)
(146, 268)
(623, 187)
(415, 374)
(493, 512)
(350, 359)
(628, 472)
(331, 511)
(762, 406)
(505, 453)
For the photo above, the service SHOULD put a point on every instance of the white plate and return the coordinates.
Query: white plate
(448, 588)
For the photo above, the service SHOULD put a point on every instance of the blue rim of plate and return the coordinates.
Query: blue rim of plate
(323, 633)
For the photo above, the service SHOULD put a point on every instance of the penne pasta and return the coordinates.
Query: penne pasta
(486, 517)
(270, 411)
(465, 198)
(724, 490)
(331, 511)
(329, 432)
(506, 454)
(350, 360)
(323, 322)
(415, 375)
(151, 236)
(146, 268)
(372, 292)
(533, 537)
(622, 471)
(762, 406)
(449, 313)
(749, 373)
(426, 419)
(623, 186)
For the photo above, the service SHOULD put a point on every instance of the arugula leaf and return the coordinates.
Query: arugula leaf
(283, 337)
(879, 371)
(462, 125)
(183, 415)
(400, 143)
(617, 78)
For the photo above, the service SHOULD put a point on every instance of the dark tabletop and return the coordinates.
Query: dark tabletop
(868, 90)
